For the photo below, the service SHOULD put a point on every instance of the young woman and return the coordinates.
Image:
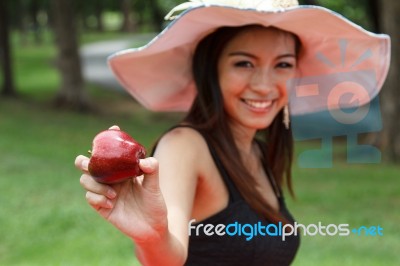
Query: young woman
(226, 163)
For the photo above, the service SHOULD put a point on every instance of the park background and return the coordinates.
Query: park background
(51, 107)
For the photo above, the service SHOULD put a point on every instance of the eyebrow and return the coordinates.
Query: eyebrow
(253, 56)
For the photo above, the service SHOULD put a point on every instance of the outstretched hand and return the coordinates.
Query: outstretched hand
(136, 206)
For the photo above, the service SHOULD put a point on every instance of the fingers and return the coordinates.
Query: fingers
(98, 201)
(92, 186)
(149, 167)
(82, 162)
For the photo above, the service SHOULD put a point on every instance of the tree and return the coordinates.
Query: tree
(34, 8)
(128, 24)
(71, 93)
(389, 22)
(157, 14)
(98, 12)
(8, 88)
(90, 13)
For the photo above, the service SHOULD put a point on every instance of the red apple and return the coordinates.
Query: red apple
(115, 157)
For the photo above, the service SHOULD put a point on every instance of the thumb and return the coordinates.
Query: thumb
(149, 166)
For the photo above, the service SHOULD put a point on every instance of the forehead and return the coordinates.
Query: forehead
(260, 38)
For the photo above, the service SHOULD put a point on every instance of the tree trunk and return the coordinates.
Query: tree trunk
(8, 88)
(71, 94)
(99, 6)
(156, 14)
(373, 12)
(389, 21)
(128, 24)
(22, 21)
(33, 11)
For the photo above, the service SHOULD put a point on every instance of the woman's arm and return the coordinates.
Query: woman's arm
(154, 212)
(178, 156)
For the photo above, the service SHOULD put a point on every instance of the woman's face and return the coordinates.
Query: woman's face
(253, 69)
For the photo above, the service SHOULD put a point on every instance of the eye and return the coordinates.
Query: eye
(245, 64)
(285, 65)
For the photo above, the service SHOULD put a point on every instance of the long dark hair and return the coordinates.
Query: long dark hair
(208, 116)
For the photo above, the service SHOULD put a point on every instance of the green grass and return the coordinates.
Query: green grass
(349, 194)
(44, 217)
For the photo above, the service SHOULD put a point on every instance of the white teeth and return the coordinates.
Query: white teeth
(258, 104)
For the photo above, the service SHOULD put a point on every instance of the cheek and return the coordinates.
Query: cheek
(230, 92)
(284, 97)
(228, 97)
(283, 90)
(231, 85)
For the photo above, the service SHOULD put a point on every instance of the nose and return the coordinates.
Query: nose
(262, 81)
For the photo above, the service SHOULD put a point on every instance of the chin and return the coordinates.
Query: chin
(260, 125)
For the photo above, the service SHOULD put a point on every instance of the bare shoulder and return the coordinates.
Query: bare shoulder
(183, 141)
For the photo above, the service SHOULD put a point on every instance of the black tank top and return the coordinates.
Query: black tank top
(206, 250)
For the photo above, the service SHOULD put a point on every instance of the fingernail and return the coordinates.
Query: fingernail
(85, 164)
(109, 204)
(111, 194)
(144, 162)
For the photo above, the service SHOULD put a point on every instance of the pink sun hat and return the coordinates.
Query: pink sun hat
(337, 56)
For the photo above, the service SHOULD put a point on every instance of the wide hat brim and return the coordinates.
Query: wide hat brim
(337, 58)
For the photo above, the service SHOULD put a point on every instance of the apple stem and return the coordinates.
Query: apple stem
(90, 152)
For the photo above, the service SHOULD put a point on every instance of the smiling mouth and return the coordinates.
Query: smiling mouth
(257, 104)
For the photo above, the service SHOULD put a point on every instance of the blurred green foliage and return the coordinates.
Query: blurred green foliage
(355, 10)
(23, 13)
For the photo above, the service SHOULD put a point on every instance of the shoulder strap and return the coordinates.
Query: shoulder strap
(234, 194)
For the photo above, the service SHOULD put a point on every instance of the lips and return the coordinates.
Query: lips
(258, 104)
